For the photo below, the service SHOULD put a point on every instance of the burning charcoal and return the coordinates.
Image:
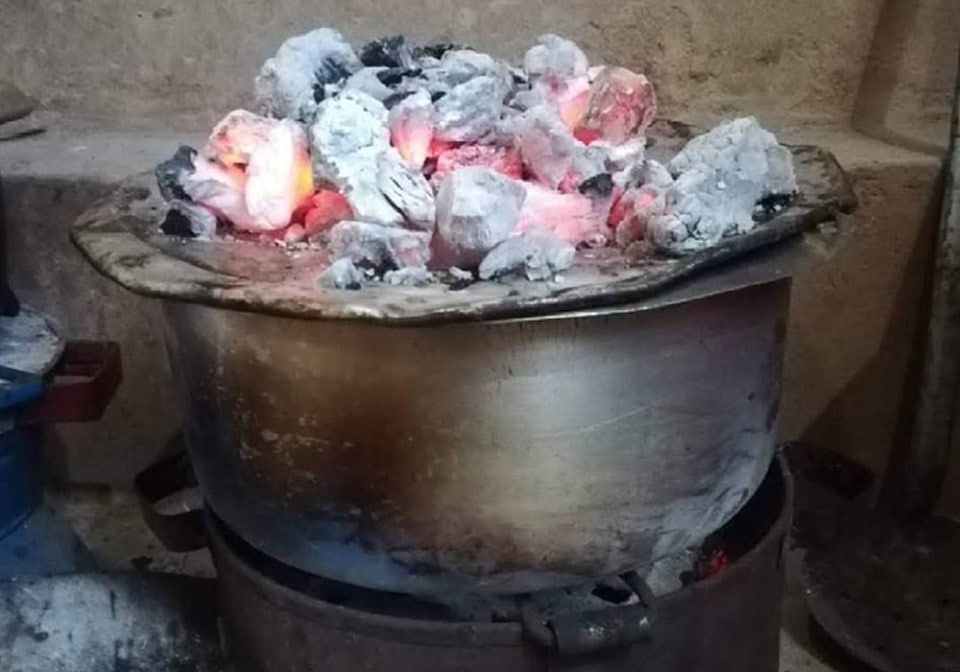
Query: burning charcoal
(379, 246)
(411, 127)
(537, 253)
(640, 206)
(701, 208)
(458, 67)
(550, 151)
(555, 58)
(504, 160)
(341, 274)
(414, 276)
(189, 220)
(476, 209)
(349, 139)
(721, 175)
(286, 84)
(573, 217)
(388, 52)
(743, 148)
(236, 136)
(326, 208)
(409, 192)
(279, 176)
(368, 81)
(471, 110)
(621, 104)
(172, 172)
(222, 190)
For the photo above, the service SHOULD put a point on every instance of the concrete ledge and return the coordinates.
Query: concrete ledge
(851, 332)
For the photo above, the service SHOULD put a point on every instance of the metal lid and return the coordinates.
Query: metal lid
(121, 237)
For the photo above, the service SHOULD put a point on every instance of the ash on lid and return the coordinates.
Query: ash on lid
(399, 159)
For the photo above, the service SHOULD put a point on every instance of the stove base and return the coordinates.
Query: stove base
(729, 622)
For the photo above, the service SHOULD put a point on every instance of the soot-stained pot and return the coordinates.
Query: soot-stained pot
(505, 437)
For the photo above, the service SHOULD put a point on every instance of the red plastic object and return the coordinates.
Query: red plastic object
(81, 385)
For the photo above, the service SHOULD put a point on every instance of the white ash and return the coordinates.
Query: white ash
(656, 174)
(379, 246)
(461, 65)
(349, 139)
(471, 110)
(367, 81)
(341, 274)
(411, 127)
(556, 58)
(550, 151)
(476, 209)
(460, 274)
(172, 173)
(409, 192)
(286, 85)
(189, 220)
(537, 253)
(720, 177)
(412, 276)
(220, 189)
(351, 122)
(702, 208)
(643, 204)
(741, 149)
(625, 162)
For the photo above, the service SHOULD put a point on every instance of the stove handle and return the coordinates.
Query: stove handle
(178, 532)
(593, 631)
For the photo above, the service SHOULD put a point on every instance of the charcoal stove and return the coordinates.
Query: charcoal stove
(556, 362)
(283, 620)
(720, 613)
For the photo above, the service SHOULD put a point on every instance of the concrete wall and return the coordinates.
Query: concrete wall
(115, 58)
(811, 69)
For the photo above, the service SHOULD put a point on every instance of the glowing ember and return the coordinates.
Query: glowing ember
(622, 103)
(504, 160)
(396, 157)
(326, 208)
(411, 128)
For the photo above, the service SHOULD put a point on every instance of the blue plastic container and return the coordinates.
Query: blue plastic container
(21, 477)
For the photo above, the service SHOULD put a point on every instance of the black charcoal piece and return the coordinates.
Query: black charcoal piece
(388, 52)
(597, 186)
(436, 50)
(331, 71)
(177, 224)
(393, 76)
(391, 101)
(171, 173)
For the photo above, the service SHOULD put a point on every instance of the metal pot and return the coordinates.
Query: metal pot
(504, 455)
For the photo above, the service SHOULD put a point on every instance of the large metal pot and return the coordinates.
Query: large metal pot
(494, 455)
(503, 436)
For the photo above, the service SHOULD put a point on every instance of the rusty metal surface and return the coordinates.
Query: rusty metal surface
(499, 455)
(121, 238)
(727, 623)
